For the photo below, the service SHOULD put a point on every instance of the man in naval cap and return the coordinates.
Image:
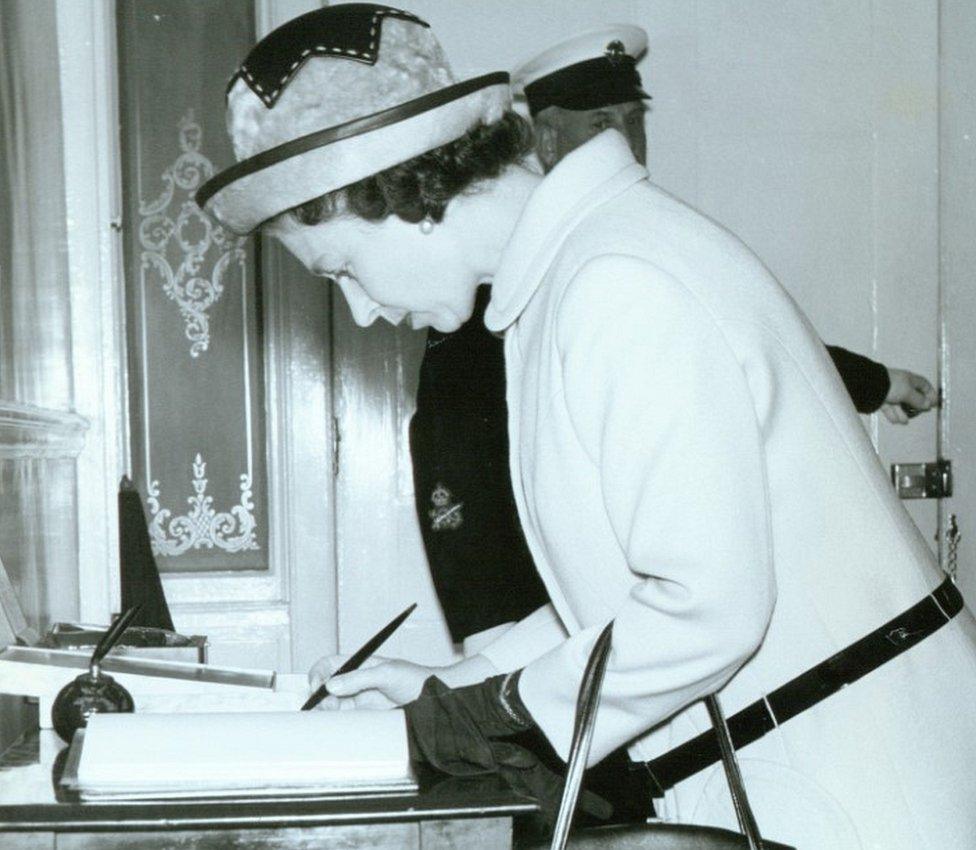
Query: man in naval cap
(583, 86)
(482, 570)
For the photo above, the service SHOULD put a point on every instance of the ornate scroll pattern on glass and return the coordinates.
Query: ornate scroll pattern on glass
(202, 527)
(204, 250)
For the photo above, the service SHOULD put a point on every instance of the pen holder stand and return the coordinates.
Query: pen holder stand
(92, 692)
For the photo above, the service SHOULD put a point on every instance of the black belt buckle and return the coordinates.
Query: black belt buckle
(902, 635)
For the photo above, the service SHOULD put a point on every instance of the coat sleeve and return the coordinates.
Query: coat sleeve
(526, 640)
(661, 406)
(866, 381)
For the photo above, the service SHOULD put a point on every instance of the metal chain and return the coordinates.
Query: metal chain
(953, 536)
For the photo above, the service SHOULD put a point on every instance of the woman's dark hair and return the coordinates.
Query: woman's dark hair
(423, 186)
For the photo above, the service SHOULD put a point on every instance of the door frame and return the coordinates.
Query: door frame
(89, 104)
(288, 613)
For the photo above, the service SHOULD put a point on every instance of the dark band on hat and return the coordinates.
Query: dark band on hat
(604, 81)
(356, 127)
(348, 31)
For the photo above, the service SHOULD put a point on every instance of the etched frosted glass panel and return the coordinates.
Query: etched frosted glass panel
(193, 297)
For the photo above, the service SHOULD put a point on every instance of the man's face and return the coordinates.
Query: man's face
(560, 131)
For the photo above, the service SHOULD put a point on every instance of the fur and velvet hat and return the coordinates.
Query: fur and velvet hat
(334, 96)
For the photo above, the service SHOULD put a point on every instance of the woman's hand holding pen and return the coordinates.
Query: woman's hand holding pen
(387, 683)
(379, 683)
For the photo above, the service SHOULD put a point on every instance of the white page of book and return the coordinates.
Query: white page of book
(244, 750)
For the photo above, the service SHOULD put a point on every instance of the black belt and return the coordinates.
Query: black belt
(806, 690)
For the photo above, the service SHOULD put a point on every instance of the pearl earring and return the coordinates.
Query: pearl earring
(427, 225)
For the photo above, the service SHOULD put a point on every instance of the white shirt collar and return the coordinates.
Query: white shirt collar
(584, 179)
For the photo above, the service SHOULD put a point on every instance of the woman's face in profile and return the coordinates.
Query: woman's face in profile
(419, 276)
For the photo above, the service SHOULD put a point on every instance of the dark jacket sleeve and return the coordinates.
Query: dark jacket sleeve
(867, 382)
(480, 563)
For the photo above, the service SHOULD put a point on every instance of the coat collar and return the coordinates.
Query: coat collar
(586, 178)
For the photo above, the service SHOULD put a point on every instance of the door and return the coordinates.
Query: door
(957, 213)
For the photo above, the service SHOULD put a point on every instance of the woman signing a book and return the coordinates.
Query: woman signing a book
(734, 553)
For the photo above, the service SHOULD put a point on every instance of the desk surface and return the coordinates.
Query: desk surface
(30, 800)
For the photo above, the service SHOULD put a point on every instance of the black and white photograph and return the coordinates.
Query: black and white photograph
(487, 424)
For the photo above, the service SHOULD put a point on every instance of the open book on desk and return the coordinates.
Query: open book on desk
(214, 755)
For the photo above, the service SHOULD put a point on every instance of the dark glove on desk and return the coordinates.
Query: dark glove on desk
(468, 731)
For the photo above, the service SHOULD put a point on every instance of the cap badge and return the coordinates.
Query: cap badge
(615, 51)
(446, 514)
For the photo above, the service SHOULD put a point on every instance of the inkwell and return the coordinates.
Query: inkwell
(94, 691)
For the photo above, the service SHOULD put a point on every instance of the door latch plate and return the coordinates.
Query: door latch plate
(922, 480)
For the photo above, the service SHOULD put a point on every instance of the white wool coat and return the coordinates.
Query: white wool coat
(687, 462)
